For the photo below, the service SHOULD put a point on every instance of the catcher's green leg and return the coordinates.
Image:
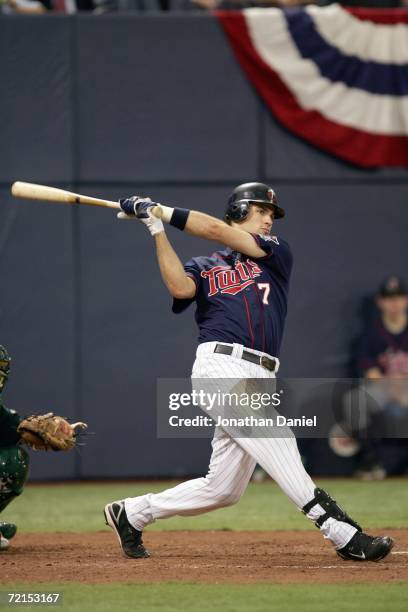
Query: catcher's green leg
(14, 469)
(8, 530)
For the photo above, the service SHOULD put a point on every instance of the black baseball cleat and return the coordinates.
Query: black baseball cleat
(363, 547)
(8, 530)
(130, 539)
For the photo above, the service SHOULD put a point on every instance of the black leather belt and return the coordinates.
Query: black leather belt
(262, 360)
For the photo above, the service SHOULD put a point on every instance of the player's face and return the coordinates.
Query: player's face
(393, 306)
(259, 220)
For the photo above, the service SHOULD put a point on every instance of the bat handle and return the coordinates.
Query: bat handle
(157, 211)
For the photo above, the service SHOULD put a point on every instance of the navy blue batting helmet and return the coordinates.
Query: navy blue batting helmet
(251, 193)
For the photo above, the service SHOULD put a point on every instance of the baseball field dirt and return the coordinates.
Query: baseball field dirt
(239, 557)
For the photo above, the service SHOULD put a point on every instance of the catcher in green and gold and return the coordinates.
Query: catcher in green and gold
(39, 432)
(14, 459)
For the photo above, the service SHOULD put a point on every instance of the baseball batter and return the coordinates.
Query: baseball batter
(241, 295)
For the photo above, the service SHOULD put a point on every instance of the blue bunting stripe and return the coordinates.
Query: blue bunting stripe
(374, 77)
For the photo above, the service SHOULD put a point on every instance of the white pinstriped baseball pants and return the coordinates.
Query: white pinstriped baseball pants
(233, 461)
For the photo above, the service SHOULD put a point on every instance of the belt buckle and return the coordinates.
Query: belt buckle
(267, 363)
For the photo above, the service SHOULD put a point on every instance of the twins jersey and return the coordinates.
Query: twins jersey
(379, 348)
(242, 299)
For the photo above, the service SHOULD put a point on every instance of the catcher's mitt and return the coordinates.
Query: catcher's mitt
(49, 432)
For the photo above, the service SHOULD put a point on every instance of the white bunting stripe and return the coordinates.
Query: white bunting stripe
(364, 39)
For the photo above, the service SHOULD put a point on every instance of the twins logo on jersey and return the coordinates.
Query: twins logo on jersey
(394, 362)
(224, 279)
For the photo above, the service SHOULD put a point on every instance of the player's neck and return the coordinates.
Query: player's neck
(395, 324)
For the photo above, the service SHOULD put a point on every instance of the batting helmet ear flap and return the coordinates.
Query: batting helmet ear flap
(237, 211)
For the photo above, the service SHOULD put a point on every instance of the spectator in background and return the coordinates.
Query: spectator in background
(242, 4)
(38, 7)
(24, 7)
(383, 347)
(382, 356)
(225, 5)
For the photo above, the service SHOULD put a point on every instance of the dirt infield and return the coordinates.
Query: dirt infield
(195, 556)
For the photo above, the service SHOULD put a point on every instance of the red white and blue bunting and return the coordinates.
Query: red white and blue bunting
(336, 78)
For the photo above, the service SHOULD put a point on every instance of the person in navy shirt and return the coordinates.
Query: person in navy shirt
(241, 295)
(382, 357)
(383, 346)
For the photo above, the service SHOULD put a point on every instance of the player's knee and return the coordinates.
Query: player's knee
(222, 494)
(14, 467)
(227, 498)
(234, 498)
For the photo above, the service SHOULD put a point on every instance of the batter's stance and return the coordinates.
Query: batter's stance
(241, 297)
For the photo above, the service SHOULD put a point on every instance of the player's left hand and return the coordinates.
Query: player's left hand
(141, 209)
(130, 205)
(49, 432)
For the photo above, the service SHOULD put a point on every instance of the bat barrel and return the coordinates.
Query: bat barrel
(32, 191)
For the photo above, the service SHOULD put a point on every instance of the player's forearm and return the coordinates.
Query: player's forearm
(171, 269)
(193, 222)
(205, 226)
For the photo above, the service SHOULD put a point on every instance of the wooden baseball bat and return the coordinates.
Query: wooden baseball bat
(32, 191)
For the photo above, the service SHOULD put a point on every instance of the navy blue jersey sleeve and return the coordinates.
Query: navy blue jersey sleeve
(277, 251)
(265, 243)
(283, 254)
(192, 270)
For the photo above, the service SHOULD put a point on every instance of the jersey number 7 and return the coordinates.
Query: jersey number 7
(265, 287)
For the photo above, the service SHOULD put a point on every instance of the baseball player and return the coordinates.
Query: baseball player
(241, 295)
(43, 432)
(14, 459)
